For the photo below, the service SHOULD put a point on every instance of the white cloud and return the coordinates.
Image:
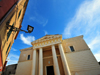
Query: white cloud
(27, 40)
(12, 59)
(95, 43)
(86, 18)
(13, 49)
(86, 22)
(45, 32)
(97, 55)
(45, 23)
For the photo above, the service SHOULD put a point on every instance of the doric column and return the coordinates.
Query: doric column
(64, 61)
(56, 67)
(40, 62)
(34, 62)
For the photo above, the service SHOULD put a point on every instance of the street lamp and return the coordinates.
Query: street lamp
(29, 28)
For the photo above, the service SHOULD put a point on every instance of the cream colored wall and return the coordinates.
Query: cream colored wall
(49, 53)
(5, 43)
(24, 68)
(77, 42)
(25, 65)
(46, 63)
(24, 55)
(47, 60)
(91, 72)
(83, 62)
(4, 31)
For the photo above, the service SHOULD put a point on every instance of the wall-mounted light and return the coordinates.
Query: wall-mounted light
(29, 28)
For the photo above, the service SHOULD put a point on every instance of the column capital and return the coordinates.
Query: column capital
(53, 45)
(40, 48)
(60, 44)
(33, 49)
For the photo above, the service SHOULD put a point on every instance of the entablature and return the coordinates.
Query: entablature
(47, 40)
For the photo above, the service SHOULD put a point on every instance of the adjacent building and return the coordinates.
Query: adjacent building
(11, 13)
(10, 70)
(50, 55)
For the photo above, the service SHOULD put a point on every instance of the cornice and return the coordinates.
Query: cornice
(47, 43)
(46, 38)
(30, 48)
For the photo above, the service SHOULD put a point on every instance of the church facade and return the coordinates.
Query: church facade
(50, 55)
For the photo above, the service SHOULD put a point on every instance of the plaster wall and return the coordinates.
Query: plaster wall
(83, 63)
(5, 6)
(77, 42)
(24, 68)
(24, 55)
(17, 23)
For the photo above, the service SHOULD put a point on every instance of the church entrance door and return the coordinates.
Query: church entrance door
(50, 70)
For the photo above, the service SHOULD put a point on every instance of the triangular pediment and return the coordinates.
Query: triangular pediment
(47, 37)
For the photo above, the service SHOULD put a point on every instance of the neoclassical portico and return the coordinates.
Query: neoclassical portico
(49, 41)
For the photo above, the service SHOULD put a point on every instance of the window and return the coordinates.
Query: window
(8, 48)
(28, 58)
(24, 4)
(9, 72)
(19, 13)
(15, 68)
(11, 29)
(72, 48)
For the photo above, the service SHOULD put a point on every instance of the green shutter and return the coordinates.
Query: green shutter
(24, 4)
(8, 34)
(19, 13)
(8, 48)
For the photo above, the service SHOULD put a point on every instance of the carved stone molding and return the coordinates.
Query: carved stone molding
(46, 38)
(47, 44)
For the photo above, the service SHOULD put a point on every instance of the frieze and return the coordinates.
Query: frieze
(46, 38)
(47, 43)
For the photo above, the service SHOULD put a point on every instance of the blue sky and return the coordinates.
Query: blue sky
(67, 17)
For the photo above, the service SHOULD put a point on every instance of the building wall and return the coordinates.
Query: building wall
(83, 63)
(47, 60)
(24, 68)
(77, 42)
(10, 69)
(24, 55)
(0, 53)
(5, 6)
(12, 17)
(23, 63)
(80, 62)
